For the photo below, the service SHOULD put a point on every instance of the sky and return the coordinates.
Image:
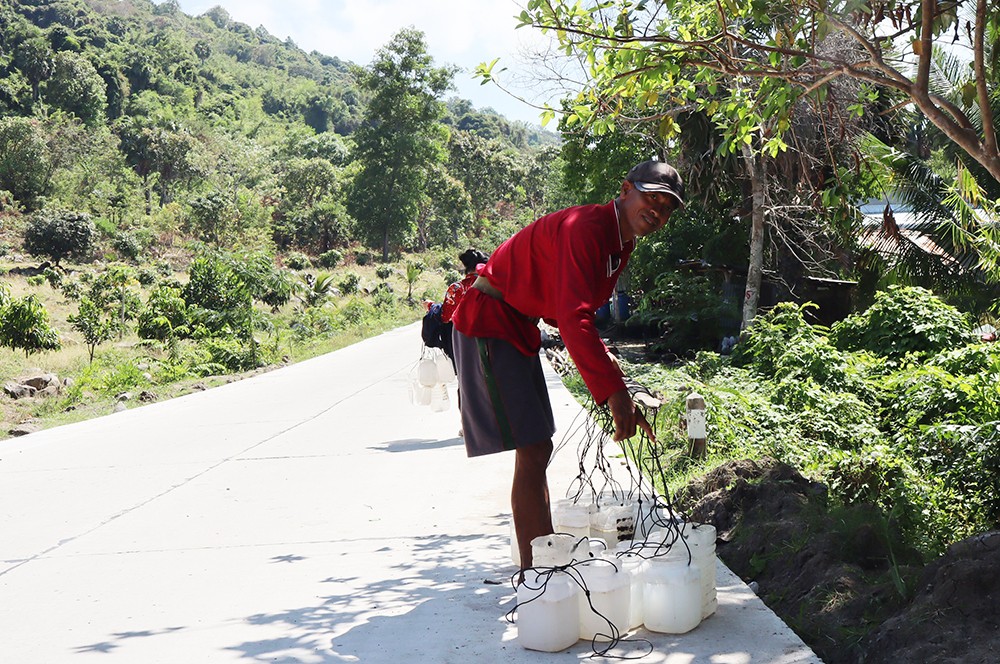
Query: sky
(457, 32)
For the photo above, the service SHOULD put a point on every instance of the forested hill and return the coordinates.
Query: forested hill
(153, 57)
(150, 121)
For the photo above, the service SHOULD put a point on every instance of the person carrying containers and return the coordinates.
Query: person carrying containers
(559, 268)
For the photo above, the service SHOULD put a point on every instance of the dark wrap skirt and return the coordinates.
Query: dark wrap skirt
(505, 403)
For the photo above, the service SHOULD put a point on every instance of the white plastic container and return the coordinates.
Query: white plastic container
(548, 612)
(555, 550)
(445, 371)
(701, 540)
(671, 599)
(610, 595)
(614, 523)
(439, 398)
(427, 372)
(634, 566)
(571, 518)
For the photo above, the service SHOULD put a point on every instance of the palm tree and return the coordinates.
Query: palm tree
(315, 291)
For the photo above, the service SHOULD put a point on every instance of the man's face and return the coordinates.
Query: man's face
(644, 212)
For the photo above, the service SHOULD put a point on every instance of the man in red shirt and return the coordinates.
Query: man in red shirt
(560, 268)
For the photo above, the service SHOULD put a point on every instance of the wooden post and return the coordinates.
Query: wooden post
(696, 427)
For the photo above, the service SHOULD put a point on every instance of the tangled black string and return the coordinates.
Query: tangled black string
(645, 461)
(614, 637)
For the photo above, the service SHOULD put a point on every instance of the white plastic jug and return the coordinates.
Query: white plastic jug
(572, 518)
(614, 522)
(555, 550)
(701, 539)
(445, 371)
(634, 565)
(609, 601)
(671, 596)
(439, 398)
(548, 613)
(427, 372)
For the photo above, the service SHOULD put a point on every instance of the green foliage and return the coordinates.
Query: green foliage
(297, 261)
(903, 320)
(59, 234)
(330, 259)
(769, 335)
(315, 291)
(90, 321)
(24, 324)
(349, 283)
(384, 297)
(25, 162)
(687, 311)
(400, 138)
(76, 87)
(164, 314)
(127, 245)
(413, 271)
(383, 272)
(362, 257)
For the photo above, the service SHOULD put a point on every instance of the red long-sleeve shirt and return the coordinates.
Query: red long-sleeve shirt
(561, 268)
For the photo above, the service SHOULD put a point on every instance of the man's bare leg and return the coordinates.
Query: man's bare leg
(529, 497)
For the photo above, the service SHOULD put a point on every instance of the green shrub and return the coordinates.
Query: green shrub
(362, 257)
(356, 313)
(903, 320)
(297, 261)
(349, 284)
(770, 334)
(146, 276)
(384, 296)
(330, 259)
(383, 272)
(127, 245)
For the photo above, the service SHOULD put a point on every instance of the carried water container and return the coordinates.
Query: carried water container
(671, 594)
(445, 370)
(572, 518)
(613, 522)
(610, 593)
(427, 372)
(634, 565)
(439, 398)
(701, 540)
(548, 611)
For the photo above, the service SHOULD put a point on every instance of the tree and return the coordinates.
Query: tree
(59, 234)
(76, 87)
(400, 137)
(34, 58)
(95, 328)
(25, 164)
(806, 43)
(24, 324)
(743, 66)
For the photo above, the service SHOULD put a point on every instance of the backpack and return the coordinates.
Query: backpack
(432, 327)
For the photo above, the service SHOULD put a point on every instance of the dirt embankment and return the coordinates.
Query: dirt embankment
(839, 577)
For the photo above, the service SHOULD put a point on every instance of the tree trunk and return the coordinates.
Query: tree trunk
(755, 271)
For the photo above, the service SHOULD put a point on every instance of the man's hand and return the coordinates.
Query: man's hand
(627, 417)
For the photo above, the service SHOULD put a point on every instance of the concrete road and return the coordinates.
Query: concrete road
(307, 515)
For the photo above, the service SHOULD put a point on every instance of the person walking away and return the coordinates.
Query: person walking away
(560, 268)
(471, 259)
